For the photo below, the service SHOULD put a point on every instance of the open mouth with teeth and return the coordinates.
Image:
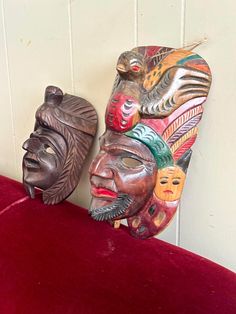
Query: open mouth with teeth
(31, 163)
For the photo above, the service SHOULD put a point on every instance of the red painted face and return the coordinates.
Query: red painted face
(122, 176)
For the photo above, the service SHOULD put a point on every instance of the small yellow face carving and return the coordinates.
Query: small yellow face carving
(170, 182)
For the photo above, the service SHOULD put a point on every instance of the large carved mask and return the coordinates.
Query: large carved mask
(55, 152)
(151, 124)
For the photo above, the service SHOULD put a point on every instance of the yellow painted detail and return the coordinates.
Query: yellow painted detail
(170, 183)
(153, 77)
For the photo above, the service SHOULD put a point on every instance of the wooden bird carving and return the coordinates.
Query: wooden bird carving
(147, 89)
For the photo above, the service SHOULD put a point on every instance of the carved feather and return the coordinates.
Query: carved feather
(190, 124)
(184, 147)
(181, 120)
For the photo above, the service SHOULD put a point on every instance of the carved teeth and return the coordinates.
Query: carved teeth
(31, 163)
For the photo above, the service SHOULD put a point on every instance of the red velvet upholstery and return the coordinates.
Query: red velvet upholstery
(57, 260)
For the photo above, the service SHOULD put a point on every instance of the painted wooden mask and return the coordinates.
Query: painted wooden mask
(55, 152)
(151, 124)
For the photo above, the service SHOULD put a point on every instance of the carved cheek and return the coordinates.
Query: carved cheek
(102, 166)
(48, 162)
(177, 189)
(139, 183)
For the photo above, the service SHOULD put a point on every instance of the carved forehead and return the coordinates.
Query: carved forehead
(171, 171)
(117, 141)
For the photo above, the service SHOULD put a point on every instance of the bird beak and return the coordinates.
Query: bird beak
(121, 68)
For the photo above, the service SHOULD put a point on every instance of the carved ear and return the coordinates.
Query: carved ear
(53, 95)
(184, 160)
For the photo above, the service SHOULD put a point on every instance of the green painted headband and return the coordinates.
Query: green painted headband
(154, 142)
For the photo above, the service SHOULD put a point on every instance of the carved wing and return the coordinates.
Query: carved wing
(177, 86)
(179, 77)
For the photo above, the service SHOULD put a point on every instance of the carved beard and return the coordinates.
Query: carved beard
(113, 210)
(30, 190)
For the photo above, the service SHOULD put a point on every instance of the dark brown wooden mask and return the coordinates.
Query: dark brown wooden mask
(55, 152)
(151, 124)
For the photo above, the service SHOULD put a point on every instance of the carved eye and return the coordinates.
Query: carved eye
(135, 68)
(49, 150)
(163, 181)
(131, 162)
(175, 182)
(43, 124)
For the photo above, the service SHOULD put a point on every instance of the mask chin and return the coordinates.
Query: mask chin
(113, 210)
(30, 190)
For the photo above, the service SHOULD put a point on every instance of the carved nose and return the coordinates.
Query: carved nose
(25, 145)
(31, 145)
(101, 166)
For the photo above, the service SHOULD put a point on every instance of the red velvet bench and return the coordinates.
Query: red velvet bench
(56, 259)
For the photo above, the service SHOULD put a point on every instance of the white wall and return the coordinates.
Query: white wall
(74, 44)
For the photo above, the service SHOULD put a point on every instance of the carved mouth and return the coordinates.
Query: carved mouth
(31, 163)
(103, 192)
(112, 210)
(168, 191)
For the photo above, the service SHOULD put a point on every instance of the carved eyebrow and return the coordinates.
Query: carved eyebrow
(50, 141)
(164, 177)
(177, 178)
(115, 147)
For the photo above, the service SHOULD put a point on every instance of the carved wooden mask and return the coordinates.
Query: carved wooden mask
(151, 124)
(55, 152)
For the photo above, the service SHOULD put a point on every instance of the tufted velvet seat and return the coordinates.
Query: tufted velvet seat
(57, 260)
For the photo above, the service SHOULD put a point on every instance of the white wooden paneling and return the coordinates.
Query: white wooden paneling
(159, 24)
(100, 32)
(37, 38)
(208, 212)
(7, 155)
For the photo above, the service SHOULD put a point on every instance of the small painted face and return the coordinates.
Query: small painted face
(170, 182)
(44, 158)
(122, 177)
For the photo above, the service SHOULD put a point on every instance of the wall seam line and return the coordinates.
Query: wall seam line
(71, 47)
(182, 42)
(135, 23)
(183, 18)
(9, 82)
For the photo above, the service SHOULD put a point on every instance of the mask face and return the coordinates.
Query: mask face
(123, 176)
(151, 120)
(170, 183)
(57, 149)
(44, 158)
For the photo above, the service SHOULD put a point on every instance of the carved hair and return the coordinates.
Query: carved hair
(75, 120)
